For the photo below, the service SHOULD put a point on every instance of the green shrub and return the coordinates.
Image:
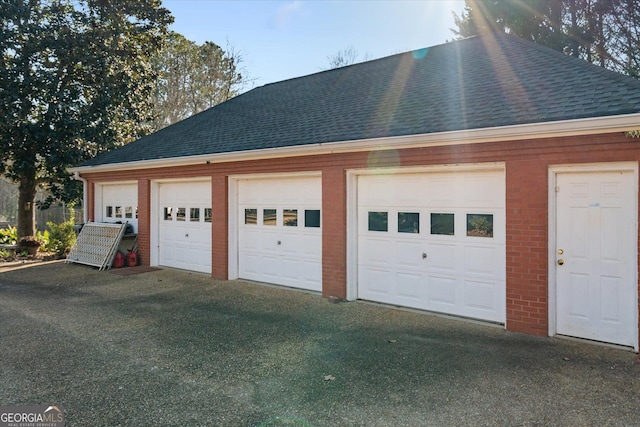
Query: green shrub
(43, 236)
(61, 238)
(8, 236)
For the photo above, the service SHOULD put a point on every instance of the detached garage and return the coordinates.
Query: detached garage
(488, 178)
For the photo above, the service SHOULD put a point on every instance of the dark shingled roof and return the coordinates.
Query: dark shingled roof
(480, 82)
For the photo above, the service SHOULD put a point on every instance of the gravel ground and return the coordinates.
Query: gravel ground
(170, 348)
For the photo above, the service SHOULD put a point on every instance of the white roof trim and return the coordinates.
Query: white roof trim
(576, 127)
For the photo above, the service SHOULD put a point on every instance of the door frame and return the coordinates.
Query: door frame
(553, 172)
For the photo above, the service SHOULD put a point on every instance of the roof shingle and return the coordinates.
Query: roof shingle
(480, 82)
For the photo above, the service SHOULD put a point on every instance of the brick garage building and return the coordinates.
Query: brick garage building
(487, 178)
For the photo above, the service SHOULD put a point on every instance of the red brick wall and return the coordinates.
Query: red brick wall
(91, 201)
(144, 221)
(527, 164)
(334, 232)
(219, 221)
(526, 257)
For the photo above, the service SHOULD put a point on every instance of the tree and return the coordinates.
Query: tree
(345, 57)
(75, 80)
(605, 32)
(193, 78)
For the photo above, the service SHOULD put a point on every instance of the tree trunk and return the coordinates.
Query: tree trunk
(26, 207)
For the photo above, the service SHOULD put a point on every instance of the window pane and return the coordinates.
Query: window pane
(442, 223)
(480, 225)
(290, 217)
(268, 217)
(181, 214)
(378, 221)
(207, 214)
(118, 211)
(194, 214)
(168, 214)
(408, 222)
(136, 212)
(251, 216)
(312, 217)
(128, 212)
(109, 213)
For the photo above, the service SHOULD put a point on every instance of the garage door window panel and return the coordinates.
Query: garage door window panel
(269, 217)
(208, 214)
(118, 211)
(109, 212)
(408, 222)
(194, 214)
(290, 217)
(378, 221)
(312, 218)
(168, 214)
(251, 216)
(480, 225)
(443, 224)
(181, 214)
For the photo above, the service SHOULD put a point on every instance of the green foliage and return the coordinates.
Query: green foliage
(43, 236)
(8, 236)
(75, 80)
(4, 253)
(192, 78)
(632, 133)
(61, 237)
(600, 31)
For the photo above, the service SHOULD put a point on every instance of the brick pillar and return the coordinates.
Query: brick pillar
(144, 221)
(91, 202)
(334, 232)
(527, 243)
(219, 230)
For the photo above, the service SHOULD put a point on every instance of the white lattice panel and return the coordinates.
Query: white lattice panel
(96, 244)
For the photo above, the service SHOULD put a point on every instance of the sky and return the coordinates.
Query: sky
(279, 40)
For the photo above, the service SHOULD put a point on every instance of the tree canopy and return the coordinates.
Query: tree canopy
(605, 32)
(192, 78)
(75, 80)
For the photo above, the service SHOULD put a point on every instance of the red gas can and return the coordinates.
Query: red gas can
(132, 258)
(118, 260)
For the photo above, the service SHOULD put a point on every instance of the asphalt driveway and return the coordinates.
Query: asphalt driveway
(169, 348)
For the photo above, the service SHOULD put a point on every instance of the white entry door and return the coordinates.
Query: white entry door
(185, 225)
(279, 231)
(596, 288)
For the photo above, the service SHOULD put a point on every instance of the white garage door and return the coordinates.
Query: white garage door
(185, 225)
(117, 203)
(434, 241)
(279, 234)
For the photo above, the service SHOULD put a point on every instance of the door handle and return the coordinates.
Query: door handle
(279, 242)
(424, 255)
(560, 261)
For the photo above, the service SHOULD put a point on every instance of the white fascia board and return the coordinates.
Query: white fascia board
(564, 128)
